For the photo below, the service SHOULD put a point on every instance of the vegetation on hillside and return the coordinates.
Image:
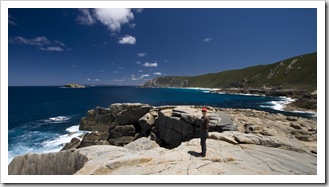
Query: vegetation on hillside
(299, 73)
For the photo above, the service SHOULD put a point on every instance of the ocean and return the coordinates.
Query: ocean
(42, 119)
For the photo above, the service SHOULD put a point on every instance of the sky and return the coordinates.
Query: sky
(131, 46)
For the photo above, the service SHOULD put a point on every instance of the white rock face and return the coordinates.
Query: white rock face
(145, 157)
(222, 159)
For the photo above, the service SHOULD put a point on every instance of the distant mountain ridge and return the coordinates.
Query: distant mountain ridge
(297, 73)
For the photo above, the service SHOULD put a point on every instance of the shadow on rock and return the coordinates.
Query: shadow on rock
(193, 153)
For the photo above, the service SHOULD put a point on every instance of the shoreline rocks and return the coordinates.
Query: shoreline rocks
(145, 157)
(304, 100)
(169, 126)
(129, 135)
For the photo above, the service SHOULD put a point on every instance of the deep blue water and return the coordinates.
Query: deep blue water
(40, 118)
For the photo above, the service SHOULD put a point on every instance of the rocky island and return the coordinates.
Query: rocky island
(73, 86)
(135, 138)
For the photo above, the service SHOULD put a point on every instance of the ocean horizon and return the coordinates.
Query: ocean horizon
(42, 119)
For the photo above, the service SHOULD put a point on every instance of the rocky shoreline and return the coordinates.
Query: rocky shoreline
(303, 100)
(135, 138)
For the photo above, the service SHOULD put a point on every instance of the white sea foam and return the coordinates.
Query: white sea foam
(58, 119)
(278, 105)
(199, 88)
(311, 113)
(61, 140)
(74, 128)
(196, 88)
(54, 143)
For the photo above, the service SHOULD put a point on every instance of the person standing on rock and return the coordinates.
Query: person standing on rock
(204, 131)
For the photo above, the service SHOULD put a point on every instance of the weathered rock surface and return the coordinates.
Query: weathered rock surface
(241, 141)
(129, 112)
(182, 123)
(98, 119)
(144, 156)
(169, 126)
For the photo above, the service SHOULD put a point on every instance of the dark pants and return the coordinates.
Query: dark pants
(203, 137)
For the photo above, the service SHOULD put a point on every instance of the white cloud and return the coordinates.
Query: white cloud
(85, 18)
(140, 71)
(207, 39)
(145, 75)
(138, 62)
(147, 64)
(127, 40)
(116, 72)
(118, 80)
(113, 18)
(41, 42)
(93, 79)
(141, 54)
(11, 20)
(51, 49)
(138, 10)
(37, 41)
(157, 73)
(59, 43)
(133, 78)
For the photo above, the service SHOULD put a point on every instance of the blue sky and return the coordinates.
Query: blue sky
(130, 46)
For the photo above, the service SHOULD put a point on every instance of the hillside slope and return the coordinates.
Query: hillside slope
(298, 73)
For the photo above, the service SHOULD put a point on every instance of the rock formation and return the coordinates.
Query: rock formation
(164, 140)
(145, 157)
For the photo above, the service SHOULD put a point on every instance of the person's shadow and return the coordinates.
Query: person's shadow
(193, 153)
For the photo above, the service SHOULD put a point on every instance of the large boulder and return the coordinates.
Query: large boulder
(173, 130)
(182, 123)
(99, 119)
(73, 144)
(58, 163)
(146, 123)
(218, 122)
(121, 141)
(93, 138)
(129, 112)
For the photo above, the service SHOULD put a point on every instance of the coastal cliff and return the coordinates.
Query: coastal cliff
(135, 138)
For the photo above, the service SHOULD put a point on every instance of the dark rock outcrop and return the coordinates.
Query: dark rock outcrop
(122, 123)
(98, 119)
